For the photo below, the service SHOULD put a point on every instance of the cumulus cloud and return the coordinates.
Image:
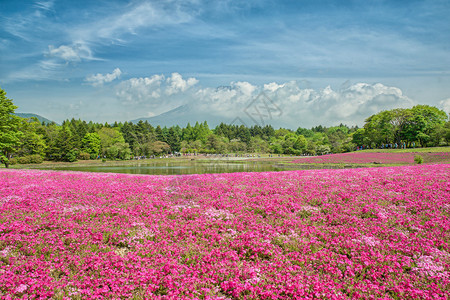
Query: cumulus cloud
(272, 87)
(288, 104)
(225, 101)
(155, 94)
(71, 53)
(140, 90)
(177, 84)
(147, 89)
(100, 79)
(350, 104)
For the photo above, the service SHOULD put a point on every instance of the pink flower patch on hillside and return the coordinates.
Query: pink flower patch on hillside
(359, 158)
(369, 233)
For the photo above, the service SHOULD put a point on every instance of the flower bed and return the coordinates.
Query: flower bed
(436, 157)
(375, 157)
(327, 234)
(359, 158)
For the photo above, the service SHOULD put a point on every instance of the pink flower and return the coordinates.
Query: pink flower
(21, 288)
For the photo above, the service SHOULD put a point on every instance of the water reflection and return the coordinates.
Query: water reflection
(197, 167)
(178, 168)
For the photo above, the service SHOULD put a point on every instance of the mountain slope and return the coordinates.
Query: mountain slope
(30, 115)
(182, 115)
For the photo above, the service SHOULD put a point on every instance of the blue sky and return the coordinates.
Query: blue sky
(320, 62)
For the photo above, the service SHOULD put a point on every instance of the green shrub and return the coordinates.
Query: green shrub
(418, 159)
(36, 159)
(24, 160)
(84, 156)
(30, 159)
(13, 161)
(112, 152)
(71, 156)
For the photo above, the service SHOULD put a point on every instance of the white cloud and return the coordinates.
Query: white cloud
(140, 90)
(129, 20)
(72, 53)
(290, 104)
(350, 105)
(100, 79)
(272, 87)
(155, 94)
(44, 5)
(225, 101)
(177, 84)
(245, 88)
(143, 15)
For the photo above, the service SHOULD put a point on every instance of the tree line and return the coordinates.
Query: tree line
(30, 141)
(421, 125)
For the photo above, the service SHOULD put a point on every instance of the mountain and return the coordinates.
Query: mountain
(182, 115)
(29, 115)
(188, 113)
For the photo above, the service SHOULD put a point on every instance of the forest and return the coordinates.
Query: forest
(26, 140)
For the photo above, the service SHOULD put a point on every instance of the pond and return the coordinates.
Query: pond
(176, 168)
(155, 167)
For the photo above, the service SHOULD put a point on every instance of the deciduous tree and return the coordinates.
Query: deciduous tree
(9, 124)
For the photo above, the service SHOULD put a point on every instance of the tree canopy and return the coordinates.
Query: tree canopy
(9, 125)
(420, 124)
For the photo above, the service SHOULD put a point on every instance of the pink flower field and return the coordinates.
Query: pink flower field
(371, 157)
(380, 233)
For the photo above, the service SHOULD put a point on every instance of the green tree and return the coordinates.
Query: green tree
(118, 151)
(92, 144)
(359, 137)
(289, 141)
(213, 143)
(305, 132)
(323, 149)
(196, 145)
(447, 132)
(427, 119)
(236, 145)
(258, 145)
(9, 124)
(378, 128)
(65, 145)
(243, 133)
(31, 142)
(301, 144)
(174, 138)
(311, 148)
(201, 131)
(50, 133)
(159, 147)
(187, 133)
(160, 136)
(110, 136)
(276, 144)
